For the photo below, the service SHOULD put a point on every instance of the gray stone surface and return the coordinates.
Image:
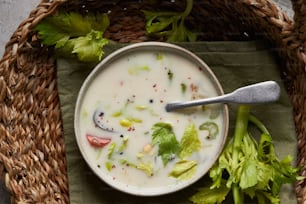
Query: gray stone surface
(13, 12)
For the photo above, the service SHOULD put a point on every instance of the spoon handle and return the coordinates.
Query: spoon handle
(262, 92)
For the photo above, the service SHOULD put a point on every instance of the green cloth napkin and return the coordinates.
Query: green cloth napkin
(234, 63)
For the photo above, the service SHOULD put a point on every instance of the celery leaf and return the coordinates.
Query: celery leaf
(164, 137)
(170, 24)
(73, 34)
(207, 195)
(248, 167)
(190, 141)
(147, 168)
(89, 47)
(184, 169)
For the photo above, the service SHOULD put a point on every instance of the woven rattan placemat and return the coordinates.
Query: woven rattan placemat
(235, 63)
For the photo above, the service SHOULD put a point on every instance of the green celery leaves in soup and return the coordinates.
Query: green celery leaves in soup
(146, 146)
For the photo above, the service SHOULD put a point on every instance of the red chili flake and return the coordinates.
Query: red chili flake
(200, 68)
(154, 85)
(161, 101)
(113, 166)
(194, 88)
(130, 129)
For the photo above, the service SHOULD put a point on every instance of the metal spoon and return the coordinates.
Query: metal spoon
(263, 92)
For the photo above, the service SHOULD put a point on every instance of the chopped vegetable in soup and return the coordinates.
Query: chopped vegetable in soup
(132, 138)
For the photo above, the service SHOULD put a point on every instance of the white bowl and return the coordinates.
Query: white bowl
(131, 90)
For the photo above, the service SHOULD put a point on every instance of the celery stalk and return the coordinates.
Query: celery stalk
(240, 132)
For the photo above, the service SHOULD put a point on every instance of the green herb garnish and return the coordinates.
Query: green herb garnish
(159, 56)
(170, 75)
(183, 87)
(168, 146)
(138, 69)
(108, 166)
(111, 150)
(123, 144)
(184, 169)
(145, 167)
(190, 141)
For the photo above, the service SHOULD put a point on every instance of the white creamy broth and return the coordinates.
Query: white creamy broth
(130, 95)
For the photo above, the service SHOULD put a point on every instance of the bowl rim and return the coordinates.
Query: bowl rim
(156, 191)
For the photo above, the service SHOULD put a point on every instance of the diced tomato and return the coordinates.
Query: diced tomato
(97, 141)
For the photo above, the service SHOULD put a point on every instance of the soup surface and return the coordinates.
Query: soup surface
(128, 137)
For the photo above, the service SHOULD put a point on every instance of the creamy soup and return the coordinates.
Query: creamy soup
(128, 137)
